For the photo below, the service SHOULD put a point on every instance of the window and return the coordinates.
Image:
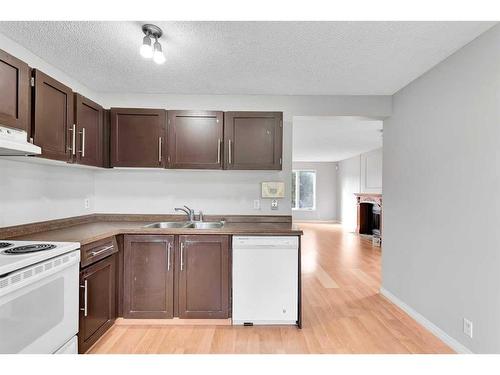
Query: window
(303, 190)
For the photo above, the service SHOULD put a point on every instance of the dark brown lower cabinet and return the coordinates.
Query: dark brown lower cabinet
(203, 275)
(98, 301)
(185, 276)
(148, 277)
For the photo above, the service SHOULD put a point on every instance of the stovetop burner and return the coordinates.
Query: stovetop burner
(26, 249)
(4, 244)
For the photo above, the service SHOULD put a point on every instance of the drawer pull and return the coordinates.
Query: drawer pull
(94, 253)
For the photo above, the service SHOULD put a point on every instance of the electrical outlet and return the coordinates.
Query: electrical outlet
(468, 327)
(256, 204)
(87, 203)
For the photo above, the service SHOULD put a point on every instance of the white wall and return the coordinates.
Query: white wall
(326, 191)
(161, 190)
(32, 192)
(371, 171)
(359, 174)
(441, 195)
(213, 192)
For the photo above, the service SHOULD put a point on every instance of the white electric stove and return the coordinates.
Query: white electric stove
(39, 290)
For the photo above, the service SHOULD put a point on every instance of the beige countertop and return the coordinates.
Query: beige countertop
(97, 228)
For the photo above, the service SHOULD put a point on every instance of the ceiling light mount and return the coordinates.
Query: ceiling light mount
(149, 50)
(152, 30)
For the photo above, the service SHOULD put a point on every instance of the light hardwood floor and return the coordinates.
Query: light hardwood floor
(343, 312)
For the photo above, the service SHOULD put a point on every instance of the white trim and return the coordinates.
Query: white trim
(447, 339)
(313, 221)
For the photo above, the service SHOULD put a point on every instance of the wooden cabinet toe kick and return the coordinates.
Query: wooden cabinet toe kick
(173, 322)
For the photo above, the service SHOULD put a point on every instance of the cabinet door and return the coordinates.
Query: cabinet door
(203, 274)
(106, 142)
(148, 277)
(195, 139)
(97, 301)
(89, 131)
(14, 92)
(253, 140)
(138, 137)
(53, 129)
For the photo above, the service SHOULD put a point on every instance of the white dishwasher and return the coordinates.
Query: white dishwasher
(265, 279)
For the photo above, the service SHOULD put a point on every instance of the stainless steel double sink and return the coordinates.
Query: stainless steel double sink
(187, 224)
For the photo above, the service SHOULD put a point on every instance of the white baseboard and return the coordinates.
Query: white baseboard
(315, 221)
(447, 339)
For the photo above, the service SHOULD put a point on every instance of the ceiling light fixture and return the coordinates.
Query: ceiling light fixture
(158, 56)
(149, 50)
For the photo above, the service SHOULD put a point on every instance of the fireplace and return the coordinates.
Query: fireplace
(370, 215)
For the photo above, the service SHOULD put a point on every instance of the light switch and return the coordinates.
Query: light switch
(256, 204)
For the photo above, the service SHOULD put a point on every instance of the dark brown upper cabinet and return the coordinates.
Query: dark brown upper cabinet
(53, 128)
(89, 118)
(253, 140)
(97, 301)
(14, 92)
(138, 137)
(195, 139)
(148, 276)
(106, 138)
(203, 269)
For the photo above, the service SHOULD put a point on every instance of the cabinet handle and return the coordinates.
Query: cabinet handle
(94, 253)
(85, 300)
(168, 256)
(218, 150)
(182, 256)
(73, 140)
(159, 148)
(230, 152)
(82, 151)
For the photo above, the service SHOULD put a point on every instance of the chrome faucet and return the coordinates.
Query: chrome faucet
(188, 211)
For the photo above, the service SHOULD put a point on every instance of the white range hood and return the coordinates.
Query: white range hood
(13, 142)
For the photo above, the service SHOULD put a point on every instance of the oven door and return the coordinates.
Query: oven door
(39, 306)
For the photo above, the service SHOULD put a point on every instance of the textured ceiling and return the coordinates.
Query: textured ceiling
(298, 58)
(334, 138)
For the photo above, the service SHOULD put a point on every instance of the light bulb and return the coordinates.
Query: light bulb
(146, 48)
(158, 56)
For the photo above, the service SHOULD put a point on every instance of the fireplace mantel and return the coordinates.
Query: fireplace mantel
(369, 197)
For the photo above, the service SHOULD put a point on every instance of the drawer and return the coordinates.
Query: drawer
(98, 250)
